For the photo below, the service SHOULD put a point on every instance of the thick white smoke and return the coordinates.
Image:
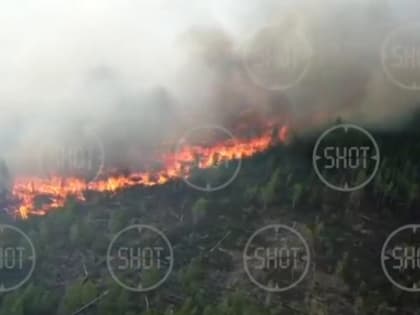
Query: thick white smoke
(141, 72)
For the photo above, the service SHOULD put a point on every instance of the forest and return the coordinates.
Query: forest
(208, 231)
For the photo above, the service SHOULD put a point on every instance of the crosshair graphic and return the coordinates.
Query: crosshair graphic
(17, 258)
(212, 169)
(286, 259)
(400, 56)
(137, 252)
(278, 58)
(346, 151)
(400, 258)
(80, 156)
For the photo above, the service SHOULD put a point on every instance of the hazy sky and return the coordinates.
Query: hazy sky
(49, 47)
(145, 62)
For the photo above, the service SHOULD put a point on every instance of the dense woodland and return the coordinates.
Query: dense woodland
(208, 232)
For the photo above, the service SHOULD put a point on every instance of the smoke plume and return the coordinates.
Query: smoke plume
(139, 74)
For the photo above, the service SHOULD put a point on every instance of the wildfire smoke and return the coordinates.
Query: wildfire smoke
(174, 166)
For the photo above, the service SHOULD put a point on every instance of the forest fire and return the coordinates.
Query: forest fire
(176, 165)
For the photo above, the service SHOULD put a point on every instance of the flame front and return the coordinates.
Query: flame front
(175, 165)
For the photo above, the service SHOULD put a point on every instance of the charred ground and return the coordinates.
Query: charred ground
(208, 232)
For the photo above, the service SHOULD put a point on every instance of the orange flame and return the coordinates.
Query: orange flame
(175, 165)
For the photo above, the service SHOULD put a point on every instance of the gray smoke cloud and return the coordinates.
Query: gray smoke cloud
(140, 73)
